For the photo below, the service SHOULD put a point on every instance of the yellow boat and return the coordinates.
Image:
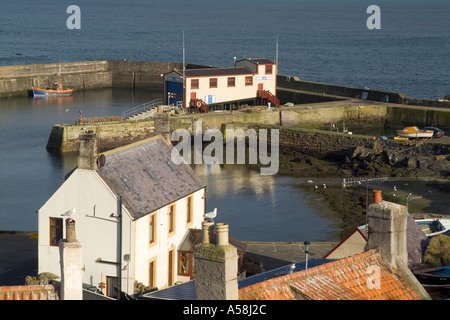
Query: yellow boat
(414, 132)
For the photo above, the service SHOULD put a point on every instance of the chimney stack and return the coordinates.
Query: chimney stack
(216, 265)
(71, 287)
(162, 125)
(387, 224)
(87, 158)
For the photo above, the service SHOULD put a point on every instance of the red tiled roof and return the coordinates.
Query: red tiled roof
(32, 292)
(351, 278)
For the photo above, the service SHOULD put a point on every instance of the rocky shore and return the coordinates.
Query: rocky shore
(426, 177)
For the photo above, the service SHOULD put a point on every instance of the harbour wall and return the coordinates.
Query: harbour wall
(421, 117)
(292, 89)
(85, 75)
(18, 80)
(64, 137)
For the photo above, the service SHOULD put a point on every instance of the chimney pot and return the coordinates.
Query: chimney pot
(377, 197)
(222, 234)
(207, 227)
(70, 231)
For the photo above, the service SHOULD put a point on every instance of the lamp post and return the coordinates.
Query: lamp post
(407, 202)
(306, 243)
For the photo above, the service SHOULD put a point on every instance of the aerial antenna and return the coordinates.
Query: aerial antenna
(276, 57)
(184, 52)
(184, 78)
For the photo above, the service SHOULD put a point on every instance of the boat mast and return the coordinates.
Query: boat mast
(184, 78)
(276, 56)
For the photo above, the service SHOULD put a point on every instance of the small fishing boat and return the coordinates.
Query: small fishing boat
(415, 132)
(37, 92)
(431, 227)
(439, 276)
(56, 90)
(434, 227)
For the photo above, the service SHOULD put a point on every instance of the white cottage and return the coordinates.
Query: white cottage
(250, 81)
(134, 209)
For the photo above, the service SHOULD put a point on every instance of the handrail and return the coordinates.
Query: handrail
(265, 94)
(143, 107)
(360, 180)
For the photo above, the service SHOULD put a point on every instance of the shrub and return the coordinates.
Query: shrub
(437, 253)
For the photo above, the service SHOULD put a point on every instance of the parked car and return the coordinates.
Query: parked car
(437, 133)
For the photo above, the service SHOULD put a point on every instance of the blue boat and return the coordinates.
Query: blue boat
(439, 276)
(37, 92)
(434, 227)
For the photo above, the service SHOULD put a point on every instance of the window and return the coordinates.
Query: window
(56, 231)
(171, 217)
(268, 69)
(112, 287)
(127, 183)
(151, 174)
(153, 227)
(185, 264)
(213, 83)
(249, 81)
(231, 81)
(171, 263)
(152, 273)
(171, 165)
(194, 84)
(189, 209)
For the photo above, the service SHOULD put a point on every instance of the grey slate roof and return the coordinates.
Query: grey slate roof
(416, 241)
(186, 290)
(144, 176)
(260, 60)
(211, 72)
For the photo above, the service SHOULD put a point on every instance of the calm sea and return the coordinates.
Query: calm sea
(323, 40)
(318, 40)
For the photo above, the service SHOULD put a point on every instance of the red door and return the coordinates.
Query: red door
(193, 97)
(260, 86)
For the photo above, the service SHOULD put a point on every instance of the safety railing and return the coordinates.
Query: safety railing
(141, 108)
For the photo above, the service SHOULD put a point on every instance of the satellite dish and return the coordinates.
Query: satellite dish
(101, 160)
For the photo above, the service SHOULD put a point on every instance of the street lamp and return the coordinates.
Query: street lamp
(306, 243)
(407, 202)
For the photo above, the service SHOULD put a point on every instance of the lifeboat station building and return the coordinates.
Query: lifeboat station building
(249, 82)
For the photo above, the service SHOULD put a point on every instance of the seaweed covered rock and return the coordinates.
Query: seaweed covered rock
(438, 251)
